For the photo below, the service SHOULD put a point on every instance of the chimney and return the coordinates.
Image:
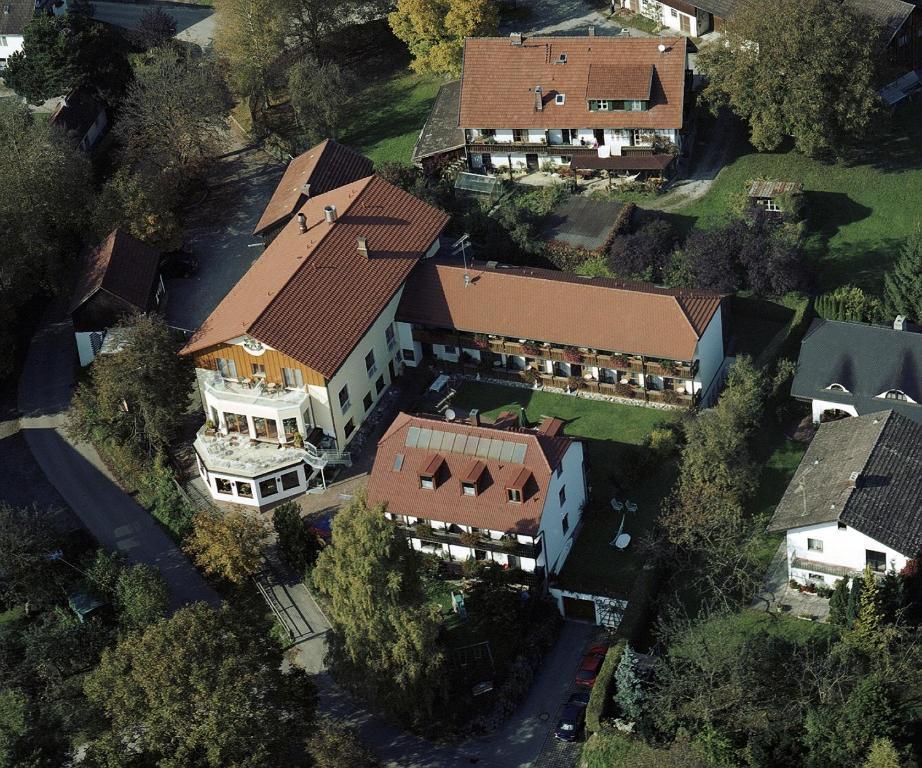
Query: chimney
(899, 323)
(329, 213)
(515, 38)
(475, 417)
(539, 100)
(591, 31)
(363, 245)
(302, 223)
(306, 190)
(854, 480)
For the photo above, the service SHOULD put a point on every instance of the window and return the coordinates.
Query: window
(519, 134)
(293, 377)
(258, 370)
(450, 350)
(236, 422)
(565, 523)
(895, 394)
(398, 462)
(344, 403)
(408, 354)
(877, 560)
(227, 368)
(772, 206)
(838, 388)
(379, 384)
(390, 336)
(469, 489)
(268, 487)
(598, 105)
(842, 526)
(815, 545)
(427, 482)
(3, 41)
(673, 12)
(635, 106)
(244, 489)
(562, 495)
(370, 365)
(223, 485)
(290, 480)
(266, 429)
(289, 427)
(514, 495)
(367, 401)
(816, 577)
(487, 132)
(349, 428)
(560, 99)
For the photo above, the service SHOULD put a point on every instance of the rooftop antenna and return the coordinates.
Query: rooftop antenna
(460, 246)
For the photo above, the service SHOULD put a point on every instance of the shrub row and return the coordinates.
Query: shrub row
(604, 687)
(635, 623)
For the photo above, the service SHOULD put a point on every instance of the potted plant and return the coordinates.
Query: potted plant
(509, 543)
(298, 439)
(531, 375)
(469, 539)
(209, 427)
(572, 355)
(619, 361)
(669, 366)
(624, 390)
(423, 530)
(481, 340)
(531, 350)
(671, 397)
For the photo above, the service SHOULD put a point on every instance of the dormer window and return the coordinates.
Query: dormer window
(469, 489)
(429, 474)
(562, 58)
(617, 105)
(895, 394)
(514, 495)
(837, 388)
(560, 99)
(427, 482)
(470, 482)
(515, 490)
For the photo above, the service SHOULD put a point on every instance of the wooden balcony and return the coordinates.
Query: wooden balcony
(500, 148)
(443, 536)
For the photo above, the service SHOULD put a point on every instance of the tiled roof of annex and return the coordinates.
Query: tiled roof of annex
(499, 79)
(510, 458)
(121, 265)
(550, 306)
(313, 295)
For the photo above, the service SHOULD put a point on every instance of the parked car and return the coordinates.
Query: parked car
(590, 666)
(178, 263)
(570, 725)
(580, 698)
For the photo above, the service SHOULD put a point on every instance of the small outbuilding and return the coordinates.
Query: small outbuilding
(775, 196)
(82, 117)
(119, 277)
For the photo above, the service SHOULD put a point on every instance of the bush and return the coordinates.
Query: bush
(603, 689)
(850, 303)
(635, 622)
(297, 546)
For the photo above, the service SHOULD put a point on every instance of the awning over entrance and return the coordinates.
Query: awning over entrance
(623, 163)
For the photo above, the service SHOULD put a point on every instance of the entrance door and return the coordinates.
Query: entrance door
(685, 23)
(599, 135)
(531, 161)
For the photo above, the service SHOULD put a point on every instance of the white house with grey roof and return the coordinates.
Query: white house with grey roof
(855, 500)
(850, 369)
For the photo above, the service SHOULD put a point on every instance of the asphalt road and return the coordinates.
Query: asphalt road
(194, 23)
(79, 476)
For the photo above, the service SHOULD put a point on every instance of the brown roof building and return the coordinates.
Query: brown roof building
(317, 171)
(460, 477)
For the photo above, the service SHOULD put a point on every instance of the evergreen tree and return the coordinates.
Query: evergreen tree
(882, 755)
(297, 546)
(838, 604)
(854, 601)
(903, 283)
(868, 625)
(629, 693)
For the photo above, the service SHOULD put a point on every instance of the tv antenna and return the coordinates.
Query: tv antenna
(460, 246)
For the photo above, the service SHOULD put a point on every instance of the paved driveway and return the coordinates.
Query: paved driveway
(194, 23)
(219, 231)
(79, 476)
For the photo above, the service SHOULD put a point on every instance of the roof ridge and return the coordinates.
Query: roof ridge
(367, 183)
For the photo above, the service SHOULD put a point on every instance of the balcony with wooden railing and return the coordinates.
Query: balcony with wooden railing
(508, 546)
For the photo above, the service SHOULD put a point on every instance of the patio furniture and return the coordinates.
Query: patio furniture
(617, 505)
(631, 506)
(272, 386)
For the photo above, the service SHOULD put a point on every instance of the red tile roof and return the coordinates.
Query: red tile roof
(608, 81)
(121, 265)
(498, 82)
(325, 167)
(490, 508)
(312, 295)
(546, 305)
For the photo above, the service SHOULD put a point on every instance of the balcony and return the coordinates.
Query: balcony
(252, 392)
(499, 148)
(443, 536)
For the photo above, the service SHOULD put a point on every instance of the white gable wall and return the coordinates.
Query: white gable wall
(557, 544)
(710, 355)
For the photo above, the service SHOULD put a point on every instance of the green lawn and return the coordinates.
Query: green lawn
(857, 215)
(606, 429)
(393, 110)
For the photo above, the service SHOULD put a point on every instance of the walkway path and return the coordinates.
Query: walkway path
(79, 475)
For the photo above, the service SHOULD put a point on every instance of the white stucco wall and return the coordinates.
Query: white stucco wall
(13, 44)
(710, 355)
(85, 345)
(258, 499)
(821, 406)
(557, 544)
(843, 547)
(670, 17)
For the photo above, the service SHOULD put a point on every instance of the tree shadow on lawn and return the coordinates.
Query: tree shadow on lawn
(899, 147)
(863, 264)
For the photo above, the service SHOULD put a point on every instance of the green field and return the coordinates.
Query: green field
(858, 214)
(606, 429)
(393, 110)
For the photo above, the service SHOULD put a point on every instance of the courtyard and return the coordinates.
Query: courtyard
(613, 436)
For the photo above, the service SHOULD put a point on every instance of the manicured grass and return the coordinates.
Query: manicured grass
(858, 214)
(606, 429)
(393, 110)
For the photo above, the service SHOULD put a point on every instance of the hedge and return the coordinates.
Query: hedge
(604, 686)
(635, 622)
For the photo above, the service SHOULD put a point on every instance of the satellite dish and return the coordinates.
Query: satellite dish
(661, 48)
(450, 415)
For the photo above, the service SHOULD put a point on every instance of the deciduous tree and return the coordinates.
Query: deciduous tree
(643, 255)
(321, 96)
(338, 746)
(156, 26)
(795, 68)
(902, 283)
(297, 545)
(229, 545)
(384, 637)
(141, 596)
(249, 37)
(26, 540)
(142, 204)
(198, 689)
(435, 30)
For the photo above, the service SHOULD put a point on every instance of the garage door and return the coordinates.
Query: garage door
(574, 608)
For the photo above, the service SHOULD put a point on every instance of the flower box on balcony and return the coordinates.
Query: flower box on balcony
(469, 539)
(572, 356)
(481, 341)
(531, 350)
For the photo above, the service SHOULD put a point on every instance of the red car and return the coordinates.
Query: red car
(590, 665)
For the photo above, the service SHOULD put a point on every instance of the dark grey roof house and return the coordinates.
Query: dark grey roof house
(858, 369)
(441, 140)
(14, 16)
(863, 473)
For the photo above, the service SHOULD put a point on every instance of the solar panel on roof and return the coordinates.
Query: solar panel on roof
(412, 436)
(472, 442)
(484, 448)
(492, 448)
(505, 453)
(518, 453)
(435, 442)
(460, 442)
(496, 447)
(425, 437)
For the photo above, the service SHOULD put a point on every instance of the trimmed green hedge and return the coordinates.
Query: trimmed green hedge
(635, 622)
(603, 689)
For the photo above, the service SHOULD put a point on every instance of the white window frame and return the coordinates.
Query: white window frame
(814, 545)
(296, 374)
(344, 405)
(560, 99)
(390, 335)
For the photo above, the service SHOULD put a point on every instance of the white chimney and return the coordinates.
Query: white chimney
(363, 245)
(899, 323)
(539, 100)
(306, 189)
(302, 223)
(591, 31)
(515, 38)
(329, 213)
